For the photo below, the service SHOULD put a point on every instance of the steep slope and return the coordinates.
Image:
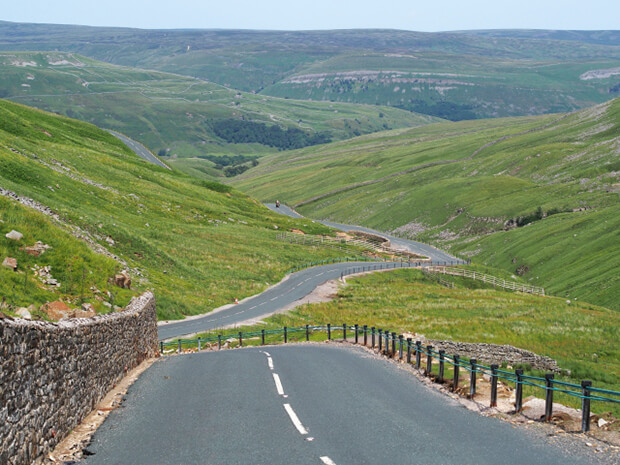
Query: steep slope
(181, 117)
(197, 244)
(473, 187)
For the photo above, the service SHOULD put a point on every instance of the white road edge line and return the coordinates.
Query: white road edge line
(279, 387)
(270, 363)
(294, 419)
(327, 461)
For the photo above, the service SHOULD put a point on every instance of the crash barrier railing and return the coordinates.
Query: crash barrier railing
(396, 346)
(377, 264)
(486, 278)
(338, 243)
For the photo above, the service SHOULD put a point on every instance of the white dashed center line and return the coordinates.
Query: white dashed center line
(295, 419)
(327, 461)
(270, 363)
(279, 387)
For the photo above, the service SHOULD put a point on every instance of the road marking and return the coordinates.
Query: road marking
(238, 313)
(327, 461)
(267, 354)
(320, 274)
(252, 307)
(270, 363)
(279, 387)
(295, 419)
(274, 298)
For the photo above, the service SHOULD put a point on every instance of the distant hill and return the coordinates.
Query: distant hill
(536, 196)
(454, 75)
(189, 122)
(197, 244)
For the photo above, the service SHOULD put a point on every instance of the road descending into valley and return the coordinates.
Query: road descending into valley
(293, 288)
(404, 244)
(138, 149)
(305, 404)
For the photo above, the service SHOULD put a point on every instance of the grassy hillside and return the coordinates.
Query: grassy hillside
(447, 74)
(444, 184)
(175, 115)
(198, 244)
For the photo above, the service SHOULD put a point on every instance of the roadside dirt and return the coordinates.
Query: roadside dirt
(73, 446)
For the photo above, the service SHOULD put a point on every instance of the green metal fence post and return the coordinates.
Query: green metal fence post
(400, 347)
(372, 337)
(262, 337)
(408, 350)
(285, 335)
(356, 335)
(307, 333)
(472, 379)
(585, 406)
(365, 335)
(344, 331)
(442, 364)
(199, 344)
(519, 390)
(418, 354)
(393, 345)
(161, 348)
(549, 396)
(219, 342)
(455, 378)
(179, 345)
(329, 331)
(240, 339)
(380, 331)
(494, 368)
(429, 360)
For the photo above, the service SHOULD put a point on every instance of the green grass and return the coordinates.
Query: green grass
(581, 337)
(464, 206)
(173, 113)
(197, 244)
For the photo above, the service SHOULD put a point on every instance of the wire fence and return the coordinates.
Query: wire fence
(486, 278)
(396, 346)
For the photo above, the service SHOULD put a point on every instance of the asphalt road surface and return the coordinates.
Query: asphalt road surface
(412, 246)
(305, 404)
(297, 286)
(138, 149)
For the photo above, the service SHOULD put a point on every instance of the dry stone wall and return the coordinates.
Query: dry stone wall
(53, 374)
(494, 353)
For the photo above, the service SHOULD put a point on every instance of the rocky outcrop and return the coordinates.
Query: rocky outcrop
(53, 374)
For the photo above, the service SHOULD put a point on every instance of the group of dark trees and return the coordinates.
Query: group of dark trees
(238, 131)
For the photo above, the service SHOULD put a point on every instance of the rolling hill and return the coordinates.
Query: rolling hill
(183, 119)
(197, 244)
(536, 196)
(455, 75)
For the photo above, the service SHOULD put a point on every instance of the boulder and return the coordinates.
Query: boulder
(122, 280)
(14, 235)
(10, 263)
(56, 310)
(23, 312)
(37, 249)
(86, 311)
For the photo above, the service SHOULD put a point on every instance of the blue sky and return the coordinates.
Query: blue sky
(444, 15)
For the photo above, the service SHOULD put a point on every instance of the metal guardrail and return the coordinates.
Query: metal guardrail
(338, 244)
(393, 346)
(486, 278)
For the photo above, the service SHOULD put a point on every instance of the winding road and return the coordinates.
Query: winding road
(305, 404)
(293, 288)
(138, 149)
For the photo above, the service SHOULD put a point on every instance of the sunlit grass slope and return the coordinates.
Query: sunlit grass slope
(570, 163)
(198, 244)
